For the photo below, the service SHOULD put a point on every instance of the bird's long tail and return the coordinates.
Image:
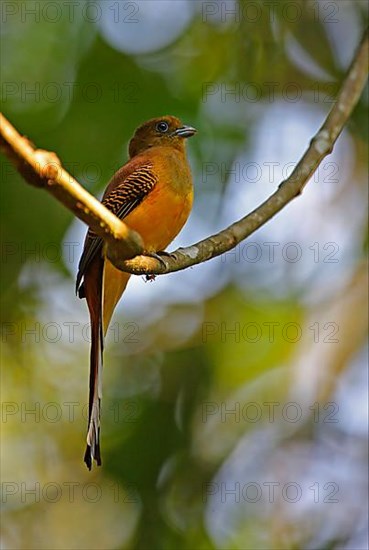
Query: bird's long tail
(104, 285)
(94, 289)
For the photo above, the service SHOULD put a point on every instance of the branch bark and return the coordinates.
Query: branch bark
(43, 169)
(124, 246)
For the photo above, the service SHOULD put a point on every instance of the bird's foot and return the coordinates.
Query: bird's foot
(157, 256)
(166, 254)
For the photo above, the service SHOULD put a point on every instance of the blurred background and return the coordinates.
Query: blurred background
(235, 392)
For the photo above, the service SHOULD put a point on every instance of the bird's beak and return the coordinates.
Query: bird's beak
(185, 131)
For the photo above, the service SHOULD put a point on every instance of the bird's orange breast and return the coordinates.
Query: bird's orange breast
(158, 218)
(164, 211)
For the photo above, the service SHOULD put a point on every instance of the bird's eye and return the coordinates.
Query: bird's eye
(162, 127)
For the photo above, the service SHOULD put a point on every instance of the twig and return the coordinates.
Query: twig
(40, 168)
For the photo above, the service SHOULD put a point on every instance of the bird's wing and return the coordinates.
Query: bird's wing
(121, 198)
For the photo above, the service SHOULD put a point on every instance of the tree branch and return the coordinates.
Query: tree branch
(320, 146)
(43, 169)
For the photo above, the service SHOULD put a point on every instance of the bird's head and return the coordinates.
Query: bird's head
(167, 131)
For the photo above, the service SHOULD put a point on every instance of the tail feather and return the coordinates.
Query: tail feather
(103, 286)
(95, 394)
(93, 286)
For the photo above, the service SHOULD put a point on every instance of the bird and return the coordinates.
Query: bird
(153, 193)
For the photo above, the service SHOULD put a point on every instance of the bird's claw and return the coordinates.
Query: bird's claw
(166, 254)
(157, 257)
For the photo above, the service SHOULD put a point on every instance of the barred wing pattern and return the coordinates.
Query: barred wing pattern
(121, 201)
